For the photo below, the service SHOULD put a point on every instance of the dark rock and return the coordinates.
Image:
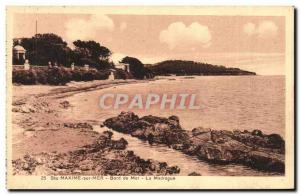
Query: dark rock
(154, 119)
(257, 132)
(107, 134)
(275, 141)
(174, 118)
(139, 133)
(265, 161)
(141, 124)
(177, 146)
(257, 139)
(246, 131)
(174, 122)
(200, 130)
(173, 170)
(120, 144)
(18, 102)
(120, 123)
(194, 174)
(254, 149)
(79, 126)
(176, 137)
(104, 157)
(65, 104)
(130, 153)
(27, 164)
(162, 165)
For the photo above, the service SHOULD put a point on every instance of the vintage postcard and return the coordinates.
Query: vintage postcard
(150, 97)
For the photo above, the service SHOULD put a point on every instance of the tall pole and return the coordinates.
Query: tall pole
(36, 27)
(36, 41)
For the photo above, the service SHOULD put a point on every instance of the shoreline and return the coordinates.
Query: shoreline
(37, 116)
(44, 143)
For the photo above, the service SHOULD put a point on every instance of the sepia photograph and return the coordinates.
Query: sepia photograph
(150, 97)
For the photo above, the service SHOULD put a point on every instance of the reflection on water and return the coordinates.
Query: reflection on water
(187, 164)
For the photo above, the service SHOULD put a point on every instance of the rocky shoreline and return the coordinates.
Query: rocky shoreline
(104, 157)
(250, 148)
(46, 142)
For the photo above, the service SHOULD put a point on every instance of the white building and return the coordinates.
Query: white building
(19, 52)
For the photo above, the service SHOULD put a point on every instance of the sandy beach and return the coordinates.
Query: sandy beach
(37, 117)
(46, 143)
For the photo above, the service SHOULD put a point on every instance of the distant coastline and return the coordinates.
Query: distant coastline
(189, 68)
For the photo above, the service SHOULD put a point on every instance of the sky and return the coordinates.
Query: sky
(254, 43)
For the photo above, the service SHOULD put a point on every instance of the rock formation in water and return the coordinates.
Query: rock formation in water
(104, 157)
(250, 148)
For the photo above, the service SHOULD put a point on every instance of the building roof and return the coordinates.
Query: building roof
(19, 48)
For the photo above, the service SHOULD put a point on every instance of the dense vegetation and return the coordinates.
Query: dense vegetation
(137, 68)
(180, 67)
(91, 53)
(44, 48)
(61, 76)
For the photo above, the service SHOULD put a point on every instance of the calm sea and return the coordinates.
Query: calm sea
(226, 102)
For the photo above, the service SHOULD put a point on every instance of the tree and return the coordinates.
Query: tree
(136, 67)
(42, 48)
(92, 53)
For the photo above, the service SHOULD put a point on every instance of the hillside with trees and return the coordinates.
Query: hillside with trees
(181, 67)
